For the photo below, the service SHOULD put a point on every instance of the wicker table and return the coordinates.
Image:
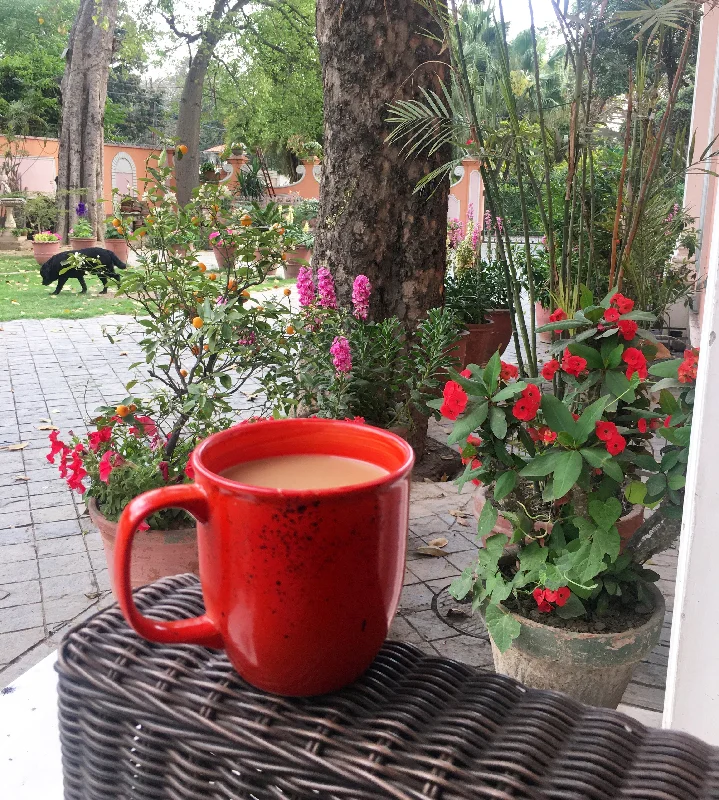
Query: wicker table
(146, 721)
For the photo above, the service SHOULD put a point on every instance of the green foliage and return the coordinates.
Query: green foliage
(41, 213)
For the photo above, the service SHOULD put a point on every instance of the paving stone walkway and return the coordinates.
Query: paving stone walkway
(53, 570)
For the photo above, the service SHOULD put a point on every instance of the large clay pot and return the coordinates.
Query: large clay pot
(502, 327)
(458, 350)
(224, 254)
(626, 525)
(155, 554)
(481, 344)
(592, 668)
(541, 317)
(44, 250)
(118, 247)
(79, 243)
(295, 261)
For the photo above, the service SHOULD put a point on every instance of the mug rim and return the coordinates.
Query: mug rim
(268, 491)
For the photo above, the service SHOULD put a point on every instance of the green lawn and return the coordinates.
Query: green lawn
(22, 295)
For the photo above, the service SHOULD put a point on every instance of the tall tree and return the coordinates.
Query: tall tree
(84, 91)
(372, 222)
(226, 16)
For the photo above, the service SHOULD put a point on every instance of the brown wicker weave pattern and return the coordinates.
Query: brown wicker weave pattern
(155, 722)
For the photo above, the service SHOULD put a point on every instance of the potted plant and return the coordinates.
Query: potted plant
(115, 237)
(337, 363)
(237, 148)
(562, 461)
(82, 233)
(20, 234)
(45, 245)
(305, 150)
(209, 172)
(204, 338)
(464, 295)
(299, 221)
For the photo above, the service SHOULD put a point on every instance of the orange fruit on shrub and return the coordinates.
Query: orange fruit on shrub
(182, 149)
(287, 292)
(245, 293)
(201, 267)
(122, 411)
(183, 372)
(133, 407)
(290, 329)
(232, 284)
(197, 322)
(212, 276)
(246, 220)
(195, 350)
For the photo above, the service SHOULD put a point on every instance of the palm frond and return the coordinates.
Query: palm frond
(652, 15)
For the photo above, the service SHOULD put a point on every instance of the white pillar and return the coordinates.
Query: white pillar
(692, 696)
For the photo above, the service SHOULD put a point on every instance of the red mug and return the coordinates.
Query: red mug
(300, 586)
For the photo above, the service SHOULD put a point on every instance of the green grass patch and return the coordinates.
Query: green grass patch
(22, 295)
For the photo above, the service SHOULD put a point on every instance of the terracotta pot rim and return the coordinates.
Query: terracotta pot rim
(612, 649)
(108, 528)
(478, 326)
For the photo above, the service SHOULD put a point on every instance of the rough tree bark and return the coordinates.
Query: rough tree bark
(84, 91)
(370, 222)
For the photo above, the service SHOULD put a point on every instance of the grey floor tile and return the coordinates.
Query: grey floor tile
(17, 571)
(16, 643)
(21, 618)
(19, 594)
(52, 566)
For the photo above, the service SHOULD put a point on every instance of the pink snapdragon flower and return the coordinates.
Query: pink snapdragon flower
(305, 287)
(341, 356)
(361, 291)
(326, 288)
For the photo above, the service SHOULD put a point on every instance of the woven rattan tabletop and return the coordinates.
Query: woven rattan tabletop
(147, 721)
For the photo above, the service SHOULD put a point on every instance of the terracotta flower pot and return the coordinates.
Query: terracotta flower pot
(502, 328)
(44, 250)
(482, 343)
(155, 554)
(79, 243)
(224, 254)
(293, 263)
(592, 668)
(541, 317)
(626, 525)
(118, 247)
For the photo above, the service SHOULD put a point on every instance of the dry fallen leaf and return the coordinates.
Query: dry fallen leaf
(123, 353)
(21, 477)
(48, 428)
(44, 420)
(458, 612)
(457, 512)
(439, 542)
(444, 478)
(18, 446)
(462, 522)
(430, 551)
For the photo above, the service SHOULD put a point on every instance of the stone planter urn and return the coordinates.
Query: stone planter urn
(44, 250)
(155, 554)
(592, 668)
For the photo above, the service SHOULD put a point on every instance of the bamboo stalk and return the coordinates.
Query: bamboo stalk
(622, 174)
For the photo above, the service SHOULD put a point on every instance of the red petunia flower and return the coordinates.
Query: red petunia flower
(687, 371)
(110, 459)
(623, 304)
(466, 373)
(616, 444)
(611, 315)
(627, 328)
(573, 365)
(558, 316)
(148, 425)
(550, 369)
(605, 430)
(475, 440)
(642, 425)
(455, 400)
(96, 438)
(508, 371)
(56, 446)
(164, 468)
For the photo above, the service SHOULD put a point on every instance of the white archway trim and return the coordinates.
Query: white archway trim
(123, 162)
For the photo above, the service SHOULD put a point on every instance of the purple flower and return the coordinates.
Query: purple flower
(305, 286)
(341, 356)
(361, 290)
(456, 233)
(81, 209)
(470, 212)
(475, 236)
(326, 288)
(221, 301)
(247, 341)
(488, 220)
(500, 226)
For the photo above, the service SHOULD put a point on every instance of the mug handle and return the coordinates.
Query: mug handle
(198, 630)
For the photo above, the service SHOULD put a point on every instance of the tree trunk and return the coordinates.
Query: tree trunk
(371, 222)
(84, 91)
(187, 169)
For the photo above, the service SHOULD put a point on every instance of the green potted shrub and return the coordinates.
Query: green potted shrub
(561, 464)
(209, 172)
(299, 221)
(204, 337)
(45, 245)
(465, 296)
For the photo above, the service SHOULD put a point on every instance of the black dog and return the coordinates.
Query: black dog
(52, 269)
